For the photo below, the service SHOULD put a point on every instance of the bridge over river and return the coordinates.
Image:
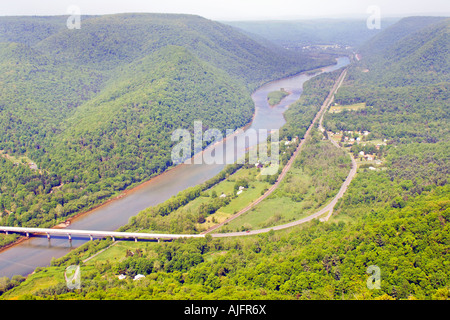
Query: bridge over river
(69, 233)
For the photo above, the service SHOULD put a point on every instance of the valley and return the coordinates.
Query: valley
(362, 182)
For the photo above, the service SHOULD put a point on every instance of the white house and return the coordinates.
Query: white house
(139, 276)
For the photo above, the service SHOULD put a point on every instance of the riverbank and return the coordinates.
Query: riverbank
(116, 212)
(141, 185)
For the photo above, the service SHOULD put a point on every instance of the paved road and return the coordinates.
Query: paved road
(328, 208)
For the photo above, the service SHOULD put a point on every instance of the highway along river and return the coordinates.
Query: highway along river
(35, 252)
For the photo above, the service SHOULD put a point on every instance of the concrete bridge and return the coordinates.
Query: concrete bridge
(69, 233)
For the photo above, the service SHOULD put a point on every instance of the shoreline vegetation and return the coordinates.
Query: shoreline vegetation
(274, 98)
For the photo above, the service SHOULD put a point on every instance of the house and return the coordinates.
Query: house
(139, 277)
(361, 153)
(223, 195)
(258, 165)
(122, 277)
(239, 192)
(241, 188)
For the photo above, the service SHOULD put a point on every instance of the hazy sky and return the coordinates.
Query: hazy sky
(231, 9)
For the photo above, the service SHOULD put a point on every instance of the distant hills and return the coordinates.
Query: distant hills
(105, 41)
(415, 49)
(296, 34)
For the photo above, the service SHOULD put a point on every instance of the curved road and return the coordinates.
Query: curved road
(328, 208)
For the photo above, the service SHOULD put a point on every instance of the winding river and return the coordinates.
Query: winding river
(35, 252)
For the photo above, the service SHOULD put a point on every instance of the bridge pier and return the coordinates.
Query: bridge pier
(28, 234)
(48, 236)
(90, 237)
(113, 239)
(135, 239)
(70, 236)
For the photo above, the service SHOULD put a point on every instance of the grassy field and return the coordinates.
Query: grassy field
(256, 186)
(117, 251)
(250, 177)
(309, 185)
(48, 277)
(279, 207)
(352, 107)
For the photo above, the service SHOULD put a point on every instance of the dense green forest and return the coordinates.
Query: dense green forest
(90, 111)
(396, 217)
(407, 83)
(408, 241)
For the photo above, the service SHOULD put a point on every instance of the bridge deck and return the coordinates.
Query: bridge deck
(97, 234)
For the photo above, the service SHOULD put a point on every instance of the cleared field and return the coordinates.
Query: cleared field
(118, 251)
(310, 184)
(256, 186)
(49, 277)
(279, 207)
(353, 107)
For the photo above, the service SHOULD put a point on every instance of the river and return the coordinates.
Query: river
(26, 256)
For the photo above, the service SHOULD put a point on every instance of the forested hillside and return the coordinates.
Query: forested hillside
(394, 216)
(105, 41)
(86, 113)
(406, 85)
